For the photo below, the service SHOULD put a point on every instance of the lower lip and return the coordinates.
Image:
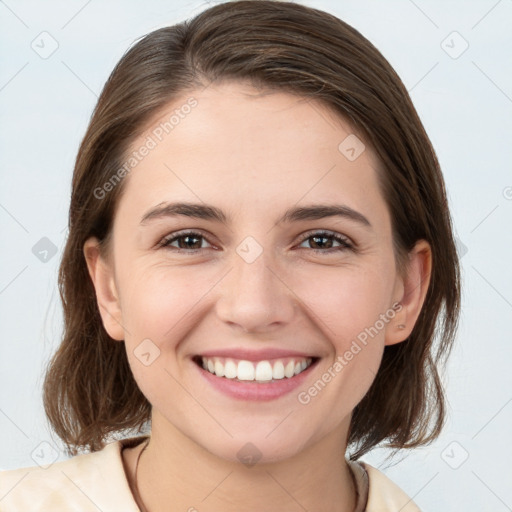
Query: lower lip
(251, 390)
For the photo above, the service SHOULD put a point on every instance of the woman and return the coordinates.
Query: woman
(260, 253)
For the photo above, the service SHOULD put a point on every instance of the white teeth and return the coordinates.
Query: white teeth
(278, 370)
(262, 371)
(219, 369)
(230, 369)
(245, 370)
(289, 369)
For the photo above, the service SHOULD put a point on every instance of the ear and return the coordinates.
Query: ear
(410, 293)
(102, 275)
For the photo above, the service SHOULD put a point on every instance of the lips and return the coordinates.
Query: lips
(256, 389)
(264, 374)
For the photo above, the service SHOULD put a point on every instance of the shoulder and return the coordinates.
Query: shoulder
(88, 482)
(384, 495)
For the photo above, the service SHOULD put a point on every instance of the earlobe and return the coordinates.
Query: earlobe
(413, 289)
(102, 276)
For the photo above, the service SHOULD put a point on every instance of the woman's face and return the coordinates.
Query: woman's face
(258, 280)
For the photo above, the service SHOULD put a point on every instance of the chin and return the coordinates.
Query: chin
(255, 448)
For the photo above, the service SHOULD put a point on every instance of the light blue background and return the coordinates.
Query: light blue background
(466, 106)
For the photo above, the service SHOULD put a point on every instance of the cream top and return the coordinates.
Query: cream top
(97, 481)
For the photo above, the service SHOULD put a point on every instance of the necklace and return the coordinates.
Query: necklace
(360, 505)
(136, 487)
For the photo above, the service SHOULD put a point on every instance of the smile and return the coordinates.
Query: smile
(264, 371)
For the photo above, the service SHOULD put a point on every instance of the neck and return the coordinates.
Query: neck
(195, 479)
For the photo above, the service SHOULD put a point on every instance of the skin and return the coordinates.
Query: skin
(252, 155)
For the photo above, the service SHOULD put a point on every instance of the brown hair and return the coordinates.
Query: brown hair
(89, 391)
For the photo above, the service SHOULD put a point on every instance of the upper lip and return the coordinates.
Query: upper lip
(255, 355)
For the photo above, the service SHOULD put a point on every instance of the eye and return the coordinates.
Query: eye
(322, 241)
(325, 239)
(188, 241)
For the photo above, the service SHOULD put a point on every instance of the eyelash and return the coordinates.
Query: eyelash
(345, 243)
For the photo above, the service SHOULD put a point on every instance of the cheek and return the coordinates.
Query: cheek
(347, 302)
(348, 306)
(158, 300)
(159, 304)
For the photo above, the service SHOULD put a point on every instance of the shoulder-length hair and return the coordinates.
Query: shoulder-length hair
(89, 391)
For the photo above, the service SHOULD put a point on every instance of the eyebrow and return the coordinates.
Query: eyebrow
(208, 212)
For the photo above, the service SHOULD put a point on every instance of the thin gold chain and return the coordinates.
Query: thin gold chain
(137, 493)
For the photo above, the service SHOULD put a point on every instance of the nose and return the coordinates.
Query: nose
(255, 296)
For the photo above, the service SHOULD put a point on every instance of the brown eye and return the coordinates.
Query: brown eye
(189, 241)
(324, 241)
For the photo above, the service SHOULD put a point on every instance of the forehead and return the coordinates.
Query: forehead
(248, 148)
